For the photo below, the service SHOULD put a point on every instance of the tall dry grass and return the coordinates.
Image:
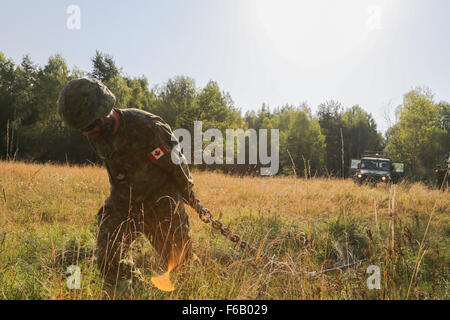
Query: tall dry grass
(47, 223)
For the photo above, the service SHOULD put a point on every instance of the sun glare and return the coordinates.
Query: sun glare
(316, 32)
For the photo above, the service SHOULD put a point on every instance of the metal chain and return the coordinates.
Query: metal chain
(206, 216)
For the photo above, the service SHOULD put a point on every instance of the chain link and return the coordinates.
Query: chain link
(207, 217)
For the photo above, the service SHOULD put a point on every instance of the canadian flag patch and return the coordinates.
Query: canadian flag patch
(157, 153)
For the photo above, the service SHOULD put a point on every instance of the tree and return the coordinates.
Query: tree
(443, 143)
(141, 97)
(7, 78)
(118, 86)
(304, 141)
(216, 108)
(300, 137)
(29, 122)
(104, 67)
(177, 103)
(360, 134)
(331, 123)
(25, 79)
(43, 136)
(416, 138)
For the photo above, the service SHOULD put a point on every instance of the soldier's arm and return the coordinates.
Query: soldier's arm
(179, 172)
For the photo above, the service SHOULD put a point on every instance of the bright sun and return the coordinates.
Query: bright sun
(317, 32)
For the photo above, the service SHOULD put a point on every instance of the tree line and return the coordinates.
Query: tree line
(321, 143)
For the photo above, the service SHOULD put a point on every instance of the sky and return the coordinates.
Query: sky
(365, 52)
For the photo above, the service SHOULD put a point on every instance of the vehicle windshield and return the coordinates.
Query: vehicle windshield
(375, 165)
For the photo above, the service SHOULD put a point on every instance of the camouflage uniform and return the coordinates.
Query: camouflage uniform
(440, 175)
(146, 195)
(147, 188)
(447, 178)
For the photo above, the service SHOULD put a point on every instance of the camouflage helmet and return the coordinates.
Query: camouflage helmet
(84, 100)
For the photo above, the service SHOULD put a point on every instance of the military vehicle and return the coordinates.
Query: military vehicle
(373, 168)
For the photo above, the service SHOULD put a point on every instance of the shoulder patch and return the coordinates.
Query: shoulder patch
(157, 153)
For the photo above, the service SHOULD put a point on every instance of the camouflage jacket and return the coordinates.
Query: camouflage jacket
(440, 174)
(138, 158)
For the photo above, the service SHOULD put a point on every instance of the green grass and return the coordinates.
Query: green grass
(47, 223)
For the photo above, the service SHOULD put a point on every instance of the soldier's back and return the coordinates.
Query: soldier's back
(126, 155)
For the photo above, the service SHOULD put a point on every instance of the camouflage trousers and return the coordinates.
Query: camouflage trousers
(163, 221)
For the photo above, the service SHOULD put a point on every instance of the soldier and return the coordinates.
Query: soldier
(147, 189)
(440, 174)
(446, 175)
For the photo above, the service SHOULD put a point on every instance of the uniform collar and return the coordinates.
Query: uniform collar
(118, 121)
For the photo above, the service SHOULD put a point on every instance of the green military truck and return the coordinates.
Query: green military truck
(374, 168)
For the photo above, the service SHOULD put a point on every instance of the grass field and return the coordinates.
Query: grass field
(48, 222)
